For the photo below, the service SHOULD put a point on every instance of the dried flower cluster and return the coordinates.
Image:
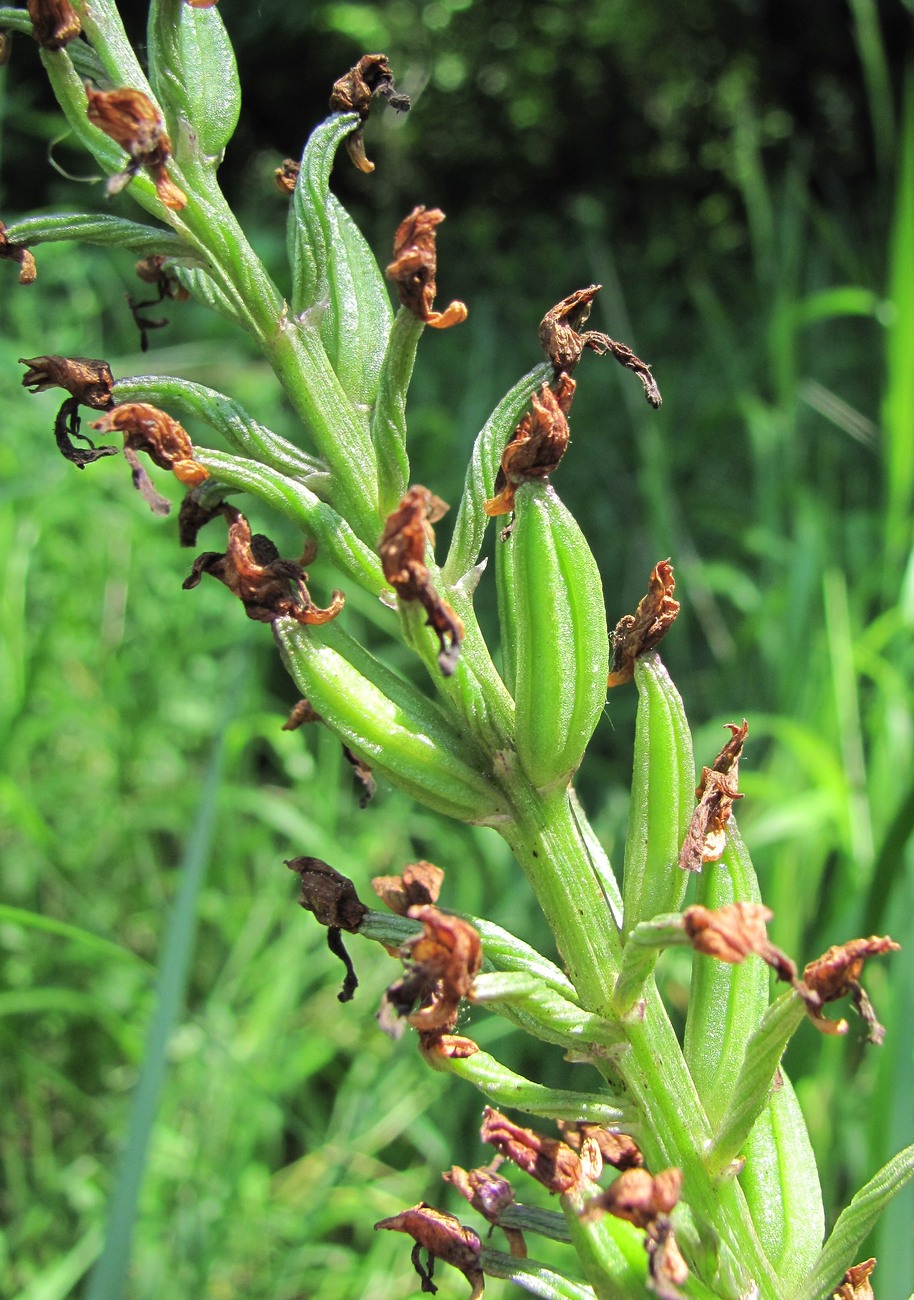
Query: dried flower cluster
(130, 119)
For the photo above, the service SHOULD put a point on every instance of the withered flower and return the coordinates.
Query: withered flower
(286, 176)
(130, 119)
(564, 343)
(442, 1237)
(370, 78)
(155, 269)
(837, 973)
(419, 885)
(731, 932)
(9, 252)
(414, 268)
(333, 899)
(441, 964)
(453, 1047)
(402, 552)
(856, 1284)
(706, 837)
(489, 1194)
(68, 426)
(88, 380)
(638, 1196)
(668, 1270)
(637, 633)
(165, 442)
(268, 586)
(54, 23)
(536, 447)
(302, 713)
(194, 514)
(616, 1149)
(549, 1161)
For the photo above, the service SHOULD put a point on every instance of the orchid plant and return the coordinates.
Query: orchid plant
(686, 1170)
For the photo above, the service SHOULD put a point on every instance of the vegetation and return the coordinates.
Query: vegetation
(267, 1128)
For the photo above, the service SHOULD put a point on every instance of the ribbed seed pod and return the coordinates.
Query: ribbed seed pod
(401, 734)
(554, 633)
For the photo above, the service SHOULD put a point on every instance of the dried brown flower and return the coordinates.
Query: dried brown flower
(638, 1196)
(54, 23)
(453, 1047)
(268, 586)
(706, 837)
(402, 551)
(443, 1237)
(837, 973)
(67, 426)
(536, 447)
(155, 269)
(616, 1149)
(564, 344)
(731, 932)
(668, 1270)
(333, 899)
(9, 252)
(414, 268)
(165, 442)
(635, 634)
(88, 380)
(286, 176)
(131, 119)
(856, 1284)
(441, 964)
(371, 78)
(549, 1161)
(489, 1194)
(418, 886)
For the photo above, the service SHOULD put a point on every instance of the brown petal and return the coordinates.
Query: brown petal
(130, 118)
(536, 447)
(616, 1149)
(286, 176)
(706, 837)
(332, 897)
(419, 885)
(489, 1194)
(10, 252)
(370, 78)
(731, 932)
(856, 1284)
(444, 1237)
(54, 23)
(638, 1197)
(88, 380)
(414, 267)
(564, 344)
(442, 962)
(548, 1160)
(637, 633)
(837, 973)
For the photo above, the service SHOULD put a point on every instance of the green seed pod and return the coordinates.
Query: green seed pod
(554, 632)
(400, 733)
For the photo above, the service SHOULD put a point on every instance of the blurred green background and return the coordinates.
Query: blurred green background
(740, 177)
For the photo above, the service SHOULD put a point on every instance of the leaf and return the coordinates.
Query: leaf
(335, 278)
(536, 1279)
(854, 1225)
(388, 422)
(194, 76)
(115, 232)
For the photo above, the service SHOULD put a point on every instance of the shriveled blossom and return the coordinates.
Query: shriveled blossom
(10, 252)
(856, 1284)
(616, 1149)
(548, 1160)
(371, 78)
(731, 932)
(635, 634)
(441, 962)
(647, 1201)
(414, 269)
(564, 341)
(333, 899)
(286, 176)
(54, 23)
(162, 438)
(706, 837)
(130, 119)
(88, 380)
(837, 973)
(402, 551)
(443, 1237)
(536, 447)
(418, 886)
(489, 1194)
(268, 586)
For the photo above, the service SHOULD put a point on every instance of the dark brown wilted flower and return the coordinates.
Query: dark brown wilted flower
(414, 268)
(333, 899)
(706, 837)
(637, 633)
(9, 252)
(616, 1149)
(268, 586)
(370, 78)
(536, 446)
(549, 1161)
(163, 439)
(837, 973)
(443, 1237)
(731, 932)
(54, 23)
(88, 380)
(67, 426)
(418, 886)
(564, 343)
(856, 1284)
(441, 963)
(286, 176)
(489, 1194)
(402, 552)
(131, 120)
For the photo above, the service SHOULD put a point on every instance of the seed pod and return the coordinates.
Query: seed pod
(554, 631)
(400, 733)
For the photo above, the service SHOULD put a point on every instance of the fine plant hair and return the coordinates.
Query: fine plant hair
(679, 1166)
